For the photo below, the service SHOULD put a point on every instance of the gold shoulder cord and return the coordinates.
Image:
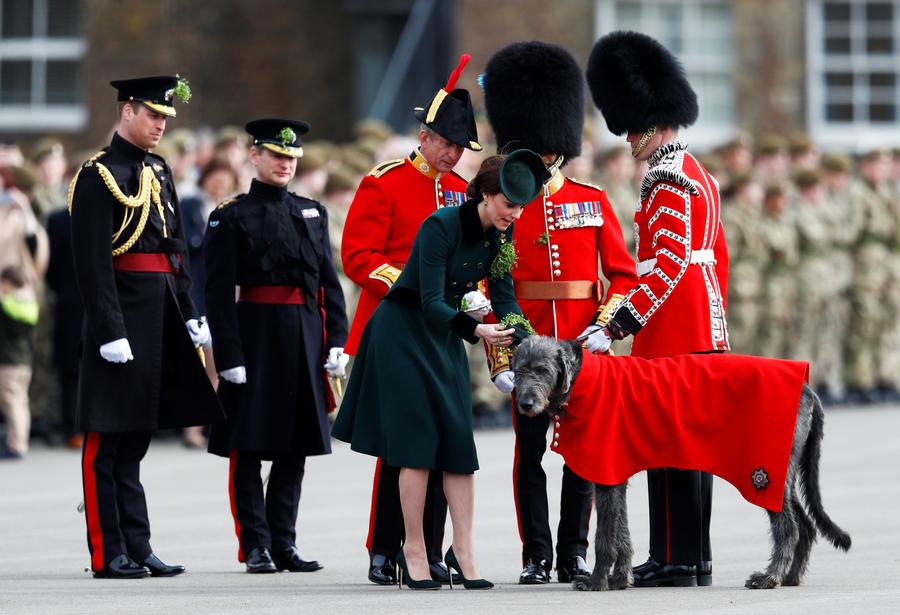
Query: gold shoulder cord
(149, 189)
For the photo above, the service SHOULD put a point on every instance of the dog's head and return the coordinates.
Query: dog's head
(545, 370)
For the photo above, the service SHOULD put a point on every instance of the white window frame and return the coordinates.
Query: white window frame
(38, 49)
(858, 135)
(701, 135)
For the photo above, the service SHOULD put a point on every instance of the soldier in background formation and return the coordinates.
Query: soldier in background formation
(819, 259)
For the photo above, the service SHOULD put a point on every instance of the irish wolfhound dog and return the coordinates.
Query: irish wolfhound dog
(545, 370)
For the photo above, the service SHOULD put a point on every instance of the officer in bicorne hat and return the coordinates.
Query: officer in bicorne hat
(140, 370)
(390, 205)
(679, 305)
(534, 95)
(271, 344)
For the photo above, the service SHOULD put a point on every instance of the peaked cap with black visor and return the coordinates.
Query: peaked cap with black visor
(155, 93)
(534, 97)
(450, 112)
(279, 136)
(638, 85)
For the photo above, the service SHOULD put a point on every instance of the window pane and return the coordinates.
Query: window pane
(837, 11)
(17, 18)
(15, 82)
(881, 80)
(62, 82)
(63, 18)
(839, 79)
(880, 44)
(837, 45)
(879, 12)
(882, 113)
(836, 112)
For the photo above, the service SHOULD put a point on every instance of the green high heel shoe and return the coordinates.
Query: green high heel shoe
(452, 563)
(411, 583)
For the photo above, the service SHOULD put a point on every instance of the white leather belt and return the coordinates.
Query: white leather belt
(698, 257)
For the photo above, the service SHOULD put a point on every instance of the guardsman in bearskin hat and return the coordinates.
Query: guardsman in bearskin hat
(140, 370)
(270, 345)
(534, 94)
(389, 207)
(678, 306)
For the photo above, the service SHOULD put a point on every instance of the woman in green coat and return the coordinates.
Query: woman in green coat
(409, 396)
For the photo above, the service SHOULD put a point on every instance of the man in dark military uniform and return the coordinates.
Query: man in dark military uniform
(140, 370)
(389, 207)
(271, 344)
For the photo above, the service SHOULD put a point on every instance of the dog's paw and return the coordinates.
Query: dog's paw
(620, 581)
(761, 580)
(590, 584)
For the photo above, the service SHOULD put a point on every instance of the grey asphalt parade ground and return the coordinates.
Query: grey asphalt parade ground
(43, 554)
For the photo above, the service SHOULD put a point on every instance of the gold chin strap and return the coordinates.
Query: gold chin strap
(645, 139)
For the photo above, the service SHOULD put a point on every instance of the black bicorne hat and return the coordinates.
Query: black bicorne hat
(522, 176)
(450, 112)
(279, 136)
(534, 95)
(638, 84)
(157, 93)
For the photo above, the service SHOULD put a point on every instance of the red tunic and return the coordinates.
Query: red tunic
(679, 303)
(570, 233)
(730, 415)
(389, 207)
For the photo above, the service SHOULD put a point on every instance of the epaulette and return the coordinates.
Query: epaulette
(583, 183)
(227, 202)
(90, 161)
(668, 170)
(382, 168)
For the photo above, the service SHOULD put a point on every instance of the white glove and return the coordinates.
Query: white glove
(235, 375)
(505, 381)
(117, 351)
(198, 331)
(595, 338)
(476, 305)
(336, 365)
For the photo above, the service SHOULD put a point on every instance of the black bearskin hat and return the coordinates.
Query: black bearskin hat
(534, 96)
(637, 84)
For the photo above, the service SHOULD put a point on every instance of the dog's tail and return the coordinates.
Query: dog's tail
(810, 471)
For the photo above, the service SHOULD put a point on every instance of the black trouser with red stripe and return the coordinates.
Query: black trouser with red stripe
(530, 484)
(265, 520)
(114, 505)
(386, 530)
(680, 509)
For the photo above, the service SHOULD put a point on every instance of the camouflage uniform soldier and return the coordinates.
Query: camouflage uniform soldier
(871, 196)
(845, 222)
(778, 232)
(815, 341)
(741, 217)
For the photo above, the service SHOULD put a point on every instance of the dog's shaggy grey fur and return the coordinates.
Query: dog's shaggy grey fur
(545, 370)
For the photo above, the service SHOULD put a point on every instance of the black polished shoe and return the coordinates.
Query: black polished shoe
(382, 570)
(441, 574)
(704, 574)
(291, 560)
(159, 569)
(574, 566)
(259, 561)
(535, 572)
(650, 564)
(665, 575)
(122, 567)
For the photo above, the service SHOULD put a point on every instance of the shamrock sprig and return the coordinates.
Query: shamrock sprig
(182, 90)
(504, 260)
(287, 136)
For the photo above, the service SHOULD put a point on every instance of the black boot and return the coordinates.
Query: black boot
(536, 572)
(259, 561)
(572, 567)
(159, 569)
(382, 569)
(122, 567)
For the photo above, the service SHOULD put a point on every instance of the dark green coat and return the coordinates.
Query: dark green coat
(409, 398)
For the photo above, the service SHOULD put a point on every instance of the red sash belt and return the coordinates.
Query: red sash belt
(272, 294)
(139, 261)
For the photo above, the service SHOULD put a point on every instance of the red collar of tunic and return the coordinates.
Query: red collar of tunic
(727, 414)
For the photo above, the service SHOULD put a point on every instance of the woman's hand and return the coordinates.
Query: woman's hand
(495, 334)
